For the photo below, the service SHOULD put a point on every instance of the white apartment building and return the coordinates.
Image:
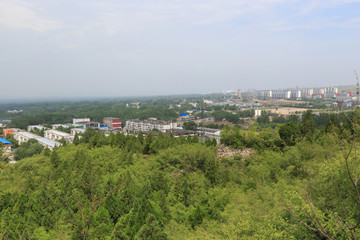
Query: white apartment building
(257, 112)
(80, 120)
(66, 125)
(209, 133)
(26, 136)
(136, 125)
(55, 135)
(33, 127)
(77, 130)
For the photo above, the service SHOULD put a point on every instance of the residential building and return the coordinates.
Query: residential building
(57, 135)
(66, 125)
(209, 133)
(257, 113)
(77, 130)
(136, 125)
(26, 136)
(33, 127)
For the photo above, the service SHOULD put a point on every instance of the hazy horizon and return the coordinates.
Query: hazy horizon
(95, 49)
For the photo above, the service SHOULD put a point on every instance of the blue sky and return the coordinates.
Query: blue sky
(62, 48)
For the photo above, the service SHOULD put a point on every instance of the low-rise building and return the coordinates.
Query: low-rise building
(33, 127)
(136, 125)
(112, 123)
(79, 120)
(66, 125)
(26, 136)
(11, 131)
(93, 125)
(77, 130)
(57, 135)
(7, 145)
(209, 133)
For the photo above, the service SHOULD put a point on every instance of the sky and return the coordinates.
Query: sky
(116, 48)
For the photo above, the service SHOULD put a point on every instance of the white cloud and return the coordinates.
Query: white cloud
(312, 5)
(15, 14)
(173, 12)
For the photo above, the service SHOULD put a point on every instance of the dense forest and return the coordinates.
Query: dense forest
(299, 180)
(64, 112)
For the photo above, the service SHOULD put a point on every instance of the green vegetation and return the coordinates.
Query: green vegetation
(28, 149)
(294, 184)
(190, 125)
(63, 129)
(38, 132)
(233, 117)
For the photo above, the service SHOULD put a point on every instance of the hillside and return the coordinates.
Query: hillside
(293, 185)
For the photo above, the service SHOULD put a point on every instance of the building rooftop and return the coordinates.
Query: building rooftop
(4, 141)
(79, 130)
(152, 121)
(199, 129)
(56, 132)
(48, 142)
(28, 135)
(40, 139)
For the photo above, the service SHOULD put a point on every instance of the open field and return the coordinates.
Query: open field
(287, 110)
(282, 102)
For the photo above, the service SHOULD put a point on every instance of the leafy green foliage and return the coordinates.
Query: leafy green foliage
(190, 125)
(294, 184)
(28, 149)
(11, 139)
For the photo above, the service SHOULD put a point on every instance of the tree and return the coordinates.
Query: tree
(28, 149)
(140, 137)
(307, 126)
(76, 140)
(149, 138)
(329, 204)
(87, 211)
(54, 159)
(294, 118)
(264, 118)
(11, 139)
(233, 118)
(190, 125)
(289, 132)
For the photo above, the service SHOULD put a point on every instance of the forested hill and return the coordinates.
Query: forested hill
(294, 185)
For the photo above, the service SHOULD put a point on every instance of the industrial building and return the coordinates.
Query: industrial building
(112, 123)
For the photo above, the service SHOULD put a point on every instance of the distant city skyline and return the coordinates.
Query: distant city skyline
(63, 49)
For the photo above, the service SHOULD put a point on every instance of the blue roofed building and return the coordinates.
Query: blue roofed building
(5, 142)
